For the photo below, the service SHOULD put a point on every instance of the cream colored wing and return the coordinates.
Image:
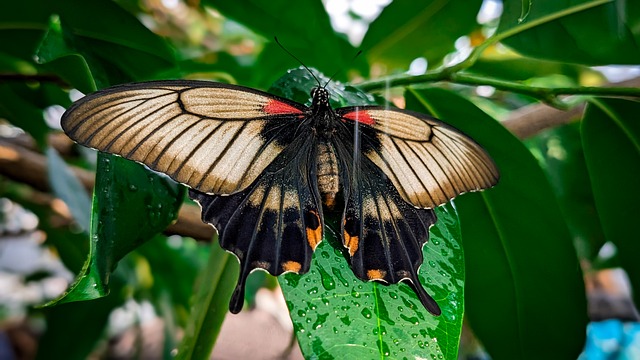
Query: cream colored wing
(213, 137)
(428, 161)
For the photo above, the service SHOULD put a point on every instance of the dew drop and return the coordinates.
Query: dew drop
(326, 279)
(366, 313)
(313, 290)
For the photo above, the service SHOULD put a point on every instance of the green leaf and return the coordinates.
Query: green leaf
(304, 29)
(18, 105)
(522, 269)
(611, 140)
(336, 315)
(592, 32)
(130, 205)
(56, 55)
(173, 279)
(74, 329)
(561, 156)
(217, 282)
(406, 30)
(520, 69)
(22, 25)
(116, 37)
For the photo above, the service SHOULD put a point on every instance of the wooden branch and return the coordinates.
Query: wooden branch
(30, 167)
(533, 119)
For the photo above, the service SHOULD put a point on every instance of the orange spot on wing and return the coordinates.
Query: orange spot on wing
(329, 200)
(376, 274)
(314, 236)
(351, 242)
(292, 266)
(360, 116)
(275, 107)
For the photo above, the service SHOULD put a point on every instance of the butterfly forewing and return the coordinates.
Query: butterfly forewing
(212, 137)
(428, 162)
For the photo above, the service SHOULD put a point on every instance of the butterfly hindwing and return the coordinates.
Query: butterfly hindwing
(384, 234)
(428, 161)
(213, 137)
(276, 223)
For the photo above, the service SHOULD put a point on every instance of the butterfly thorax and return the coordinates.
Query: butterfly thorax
(322, 114)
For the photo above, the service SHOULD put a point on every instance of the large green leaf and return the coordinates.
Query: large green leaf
(337, 316)
(406, 30)
(115, 36)
(22, 25)
(611, 139)
(304, 29)
(593, 32)
(18, 105)
(522, 270)
(130, 205)
(56, 55)
(211, 301)
(74, 329)
(561, 156)
(521, 69)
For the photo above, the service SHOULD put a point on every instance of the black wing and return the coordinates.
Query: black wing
(276, 223)
(383, 234)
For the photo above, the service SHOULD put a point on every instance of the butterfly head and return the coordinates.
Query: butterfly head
(319, 98)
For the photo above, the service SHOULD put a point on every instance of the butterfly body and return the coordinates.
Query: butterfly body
(265, 169)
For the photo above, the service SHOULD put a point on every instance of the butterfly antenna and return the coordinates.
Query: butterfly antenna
(295, 57)
(337, 71)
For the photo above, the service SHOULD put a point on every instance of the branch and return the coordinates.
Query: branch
(30, 167)
(545, 94)
(549, 95)
(533, 119)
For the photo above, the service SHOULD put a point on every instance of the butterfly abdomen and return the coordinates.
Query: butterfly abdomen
(328, 183)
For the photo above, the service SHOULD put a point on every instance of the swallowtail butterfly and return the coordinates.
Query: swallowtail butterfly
(265, 169)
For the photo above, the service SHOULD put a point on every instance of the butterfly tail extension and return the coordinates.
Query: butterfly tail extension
(427, 301)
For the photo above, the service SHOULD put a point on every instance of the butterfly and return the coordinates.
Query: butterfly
(265, 171)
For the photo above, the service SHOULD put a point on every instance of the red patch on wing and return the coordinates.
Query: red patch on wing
(360, 116)
(275, 107)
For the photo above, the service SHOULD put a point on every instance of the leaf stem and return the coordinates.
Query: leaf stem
(454, 74)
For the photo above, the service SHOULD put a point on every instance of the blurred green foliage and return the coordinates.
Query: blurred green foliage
(562, 195)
